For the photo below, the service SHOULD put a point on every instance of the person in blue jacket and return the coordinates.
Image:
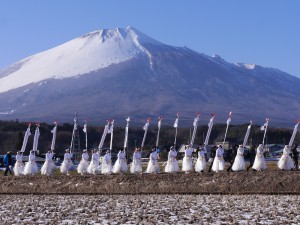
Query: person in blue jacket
(8, 163)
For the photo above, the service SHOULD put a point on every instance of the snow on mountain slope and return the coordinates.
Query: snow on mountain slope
(121, 72)
(90, 52)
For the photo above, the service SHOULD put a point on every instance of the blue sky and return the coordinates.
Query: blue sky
(264, 32)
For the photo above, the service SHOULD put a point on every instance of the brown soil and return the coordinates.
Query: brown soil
(266, 182)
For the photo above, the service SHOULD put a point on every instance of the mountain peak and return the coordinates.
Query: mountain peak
(90, 52)
(142, 77)
(118, 34)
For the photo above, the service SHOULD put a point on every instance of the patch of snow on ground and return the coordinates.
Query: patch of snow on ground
(146, 209)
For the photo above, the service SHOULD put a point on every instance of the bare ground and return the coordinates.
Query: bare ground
(149, 209)
(265, 182)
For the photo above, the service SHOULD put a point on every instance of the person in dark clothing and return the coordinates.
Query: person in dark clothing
(231, 156)
(212, 156)
(8, 163)
(252, 154)
(295, 156)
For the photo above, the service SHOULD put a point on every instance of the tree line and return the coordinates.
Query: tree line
(12, 133)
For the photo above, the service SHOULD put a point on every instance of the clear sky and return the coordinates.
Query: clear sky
(263, 32)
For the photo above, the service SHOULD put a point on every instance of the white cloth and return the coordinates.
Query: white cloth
(172, 163)
(201, 161)
(136, 165)
(219, 163)
(48, 166)
(124, 162)
(239, 161)
(19, 165)
(286, 162)
(120, 165)
(259, 161)
(67, 164)
(94, 167)
(84, 163)
(187, 161)
(153, 166)
(30, 167)
(106, 164)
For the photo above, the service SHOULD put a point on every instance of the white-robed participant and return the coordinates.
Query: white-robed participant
(286, 162)
(48, 166)
(19, 165)
(201, 161)
(153, 166)
(30, 167)
(136, 165)
(239, 161)
(84, 163)
(172, 163)
(219, 163)
(259, 161)
(67, 164)
(187, 161)
(94, 167)
(120, 165)
(124, 162)
(106, 167)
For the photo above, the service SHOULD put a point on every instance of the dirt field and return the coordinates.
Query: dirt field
(266, 182)
(149, 209)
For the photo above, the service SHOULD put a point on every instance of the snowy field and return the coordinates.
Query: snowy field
(150, 209)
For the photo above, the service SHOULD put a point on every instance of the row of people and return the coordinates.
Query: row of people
(218, 163)
(31, 167)
(120, 166)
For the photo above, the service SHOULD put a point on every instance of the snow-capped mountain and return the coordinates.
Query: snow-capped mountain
(121, 72)
(91, 52)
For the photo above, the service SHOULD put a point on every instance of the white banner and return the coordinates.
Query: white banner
(27, 134)
(210, 125)
(106, 128)
(247, 134)
(294, 134)
(36, 138)
(53, 131)
(195, 124)
(126, 133)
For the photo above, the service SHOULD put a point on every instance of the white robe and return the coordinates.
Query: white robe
(187, 162)
(136, 165)
(219, 163)
(106, 164)
(124, 162)
(30, 167)
(120, 165)
(172, 163)
(286, 162)
(239, 161)
(48, 166)
(153, 166)
(19, 165)
(94, 167)
(259, 161)
(201, 161)
(67, 164)
(84, 163)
